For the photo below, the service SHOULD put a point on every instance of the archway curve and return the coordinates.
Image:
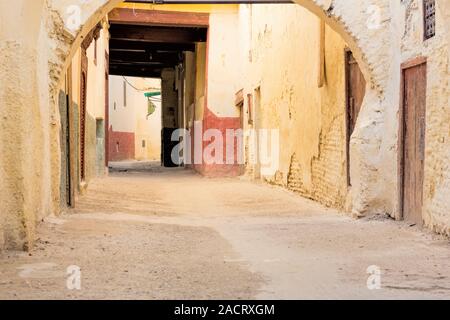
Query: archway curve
(349, 18)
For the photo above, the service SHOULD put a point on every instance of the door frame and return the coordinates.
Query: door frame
(106, 109)
(347, 114)
(414, 62)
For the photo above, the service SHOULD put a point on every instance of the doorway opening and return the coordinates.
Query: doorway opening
(159, 58)
(171, 70)
(134, 120)
(355, 87)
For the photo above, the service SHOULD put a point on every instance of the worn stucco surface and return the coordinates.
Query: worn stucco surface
(133, 118)
(311, 120)
(25, 127)
(436, 209)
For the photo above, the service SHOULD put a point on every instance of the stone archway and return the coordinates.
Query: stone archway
(365, 28)
(52, 46)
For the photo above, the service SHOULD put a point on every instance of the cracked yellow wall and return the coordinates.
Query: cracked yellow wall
(26, 129)
(410, 38)
(311, 120)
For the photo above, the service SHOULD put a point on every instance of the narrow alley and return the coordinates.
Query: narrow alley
(236, 150)
(136, 236)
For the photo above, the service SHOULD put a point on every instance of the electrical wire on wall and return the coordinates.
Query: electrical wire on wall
(137, 89)
(150, 94)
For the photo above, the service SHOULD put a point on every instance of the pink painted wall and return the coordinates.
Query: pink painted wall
(121, 145)
(211, 121)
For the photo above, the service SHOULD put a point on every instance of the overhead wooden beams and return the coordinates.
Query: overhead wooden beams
(150, 46)
(158, 18)
(136, 71)
(144, 42)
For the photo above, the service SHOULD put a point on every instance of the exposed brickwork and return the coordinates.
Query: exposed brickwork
(329, 167)
(295, 177)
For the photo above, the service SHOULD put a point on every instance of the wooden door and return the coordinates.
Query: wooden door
(413, 140)
(356, 90)
(106, 109)
(83, 98)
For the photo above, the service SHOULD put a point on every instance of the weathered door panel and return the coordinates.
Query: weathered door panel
(413, 141)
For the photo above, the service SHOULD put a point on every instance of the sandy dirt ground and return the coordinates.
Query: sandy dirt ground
(153, 233)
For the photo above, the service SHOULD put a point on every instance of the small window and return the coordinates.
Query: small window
(117, 146)
(429, 12)
(143, 143)
(115, 106)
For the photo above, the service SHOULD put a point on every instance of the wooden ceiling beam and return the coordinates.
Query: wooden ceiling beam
(119, 45)
(136, 72)
(145, 56)
(157, 34)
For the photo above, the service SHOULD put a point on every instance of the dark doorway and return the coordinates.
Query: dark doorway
(65, 118)
(412, 139)
(83, 97)
(154, 44)
(355, 92)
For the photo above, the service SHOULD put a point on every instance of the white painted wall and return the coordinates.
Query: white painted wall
(224, 56)
(132, 117)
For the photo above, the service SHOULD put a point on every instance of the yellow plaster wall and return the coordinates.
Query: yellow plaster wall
(284, 64)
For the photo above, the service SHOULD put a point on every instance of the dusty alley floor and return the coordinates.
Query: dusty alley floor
(171, 234)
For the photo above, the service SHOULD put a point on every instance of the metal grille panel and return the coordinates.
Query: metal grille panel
(429, 11)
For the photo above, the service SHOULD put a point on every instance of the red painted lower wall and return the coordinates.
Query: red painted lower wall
(211, 121)
(121, 145)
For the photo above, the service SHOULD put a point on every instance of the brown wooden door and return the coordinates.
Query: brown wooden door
(356, 90)
(413, 141)
(106, 109)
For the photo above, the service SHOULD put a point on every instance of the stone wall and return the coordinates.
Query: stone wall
(436, 211)
(284, 68)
